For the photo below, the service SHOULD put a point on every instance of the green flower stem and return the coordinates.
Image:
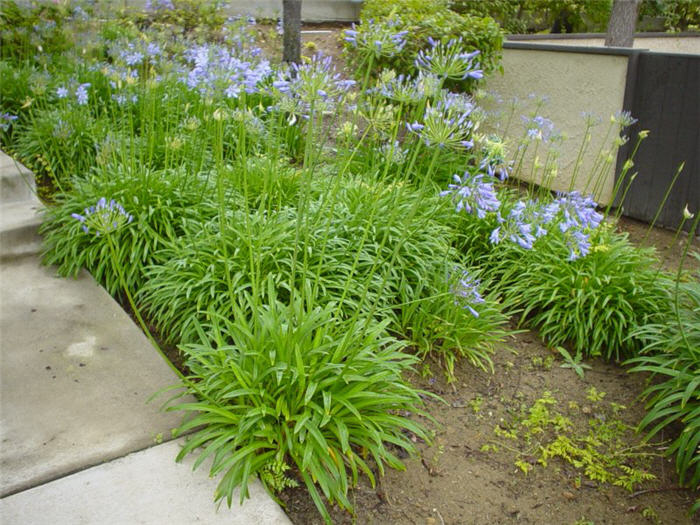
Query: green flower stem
(689, 242)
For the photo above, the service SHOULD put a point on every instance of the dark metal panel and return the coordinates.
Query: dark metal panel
(665, 99)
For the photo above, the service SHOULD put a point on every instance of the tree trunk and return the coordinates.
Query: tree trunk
(291, 20)
(623, 20)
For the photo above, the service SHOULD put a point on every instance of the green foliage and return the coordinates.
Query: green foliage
(434, 19)
(61, 143)
(27, 31)
(15, 86)
(289, 383)
(197, 19)
(672, 355)
(678, 15)
(392, 269)
(534, 16)
(162, 205)
(592, 303)
(602, 452)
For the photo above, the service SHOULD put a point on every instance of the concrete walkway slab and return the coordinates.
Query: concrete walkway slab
(16, 181)
(19, 228)
(147, 487)
(75, 375)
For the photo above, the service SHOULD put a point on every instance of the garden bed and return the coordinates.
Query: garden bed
(341, 269)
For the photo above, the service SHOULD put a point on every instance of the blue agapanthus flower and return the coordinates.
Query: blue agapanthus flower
(473, 194)
(466, 292)
(6, 120)
(105, 217)
(449, 60)
(81, 94)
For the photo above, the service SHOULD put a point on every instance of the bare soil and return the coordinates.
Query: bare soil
(454, 482)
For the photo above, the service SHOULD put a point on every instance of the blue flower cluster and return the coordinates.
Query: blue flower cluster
(449, 60)
(136, 52)
(158, 5)
(81, 93)
(447, 124)
(377, 38)
(526, 222)
(105, 217)
(578, 218)
(539, 128)
(215, 70)
(574, 214)
(6, 120)
(466, 292)
(473, 194)
(314, 86)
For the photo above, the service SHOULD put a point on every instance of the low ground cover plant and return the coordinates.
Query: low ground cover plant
(544, 433)
(305, 238)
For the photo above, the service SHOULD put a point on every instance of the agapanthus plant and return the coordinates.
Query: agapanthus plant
(377, 39)
(449, 60)
(103, 218)
(447, 123)
(315, 85)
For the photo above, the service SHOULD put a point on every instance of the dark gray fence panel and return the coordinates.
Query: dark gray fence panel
(665, 98)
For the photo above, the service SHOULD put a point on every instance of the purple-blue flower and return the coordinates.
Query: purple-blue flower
(466, 292)
(6, 120)
(82, 94)
(105, 217)
(473, 195)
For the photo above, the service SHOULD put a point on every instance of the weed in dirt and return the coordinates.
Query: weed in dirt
(539, 433)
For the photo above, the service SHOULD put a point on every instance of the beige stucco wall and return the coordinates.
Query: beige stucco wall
(685, 45)
(573, 83)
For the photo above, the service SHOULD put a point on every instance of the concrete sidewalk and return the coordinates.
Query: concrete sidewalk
(78, 441)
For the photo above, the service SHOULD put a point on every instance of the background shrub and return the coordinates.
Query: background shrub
(534, 16)
(433, 18)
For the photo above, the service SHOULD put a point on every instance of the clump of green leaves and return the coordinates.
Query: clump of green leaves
(61, 143)
(533, 16)
(162, 204)
(283, 383)
(601, 452)
(672, 355)
(678, 15)
(592, 303)
(397, 268)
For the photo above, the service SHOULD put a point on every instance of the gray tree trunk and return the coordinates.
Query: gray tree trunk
(291, 19)
(623, 20)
